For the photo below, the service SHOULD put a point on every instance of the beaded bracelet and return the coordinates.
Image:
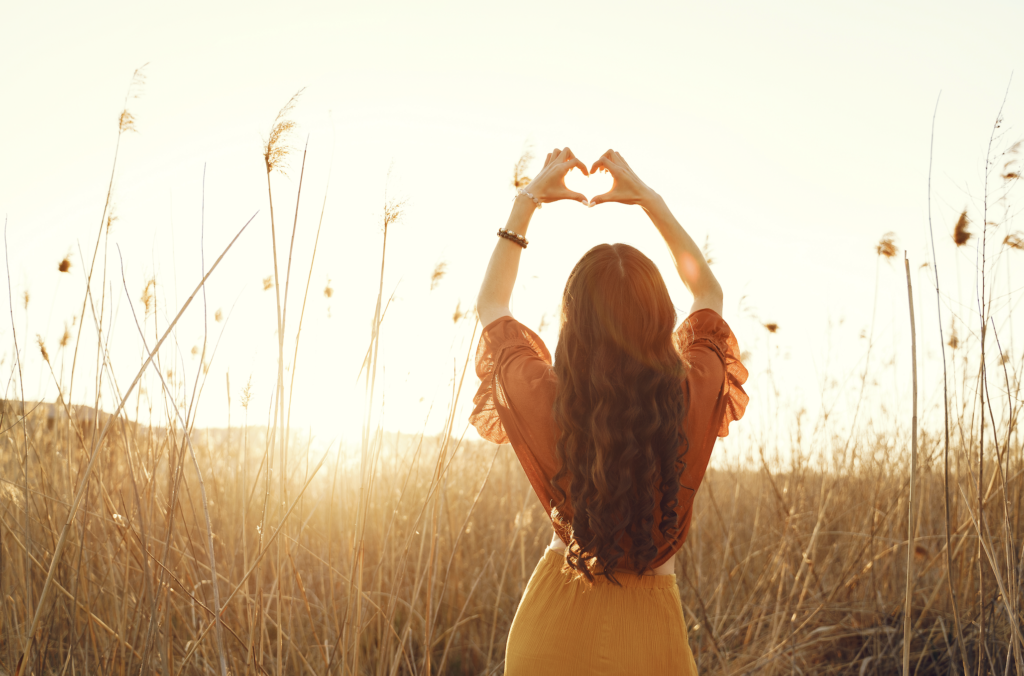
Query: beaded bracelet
(536, 201)
(513, 237)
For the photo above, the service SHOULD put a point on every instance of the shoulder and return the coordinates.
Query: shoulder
(507, 332)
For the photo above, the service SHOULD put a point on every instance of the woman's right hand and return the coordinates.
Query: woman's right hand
(627, 187)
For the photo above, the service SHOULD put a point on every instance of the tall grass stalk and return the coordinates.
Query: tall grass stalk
(911, 514)
(26, 532)
(945, 408)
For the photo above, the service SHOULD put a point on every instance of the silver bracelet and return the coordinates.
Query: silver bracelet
(536, 201)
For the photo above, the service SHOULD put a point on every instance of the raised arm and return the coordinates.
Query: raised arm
(690, 263)
(549, 186)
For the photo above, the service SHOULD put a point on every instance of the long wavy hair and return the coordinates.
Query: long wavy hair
(619, 409)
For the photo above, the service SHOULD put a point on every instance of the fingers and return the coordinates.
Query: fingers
(610, 162)
(572, 161)
(605, 163)
(578, 165)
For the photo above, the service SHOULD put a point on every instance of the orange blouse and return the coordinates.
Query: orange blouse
(517, 393)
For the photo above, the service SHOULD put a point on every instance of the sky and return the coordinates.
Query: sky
(789, 137)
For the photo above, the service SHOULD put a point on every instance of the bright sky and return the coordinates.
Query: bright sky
(791, 136)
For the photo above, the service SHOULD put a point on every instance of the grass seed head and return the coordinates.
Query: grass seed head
(961, 235)
(459, 313)
(276, 148)
(438, 274)
(149, 296)
(65, 264)
(25, 297)
(954, 342)
(126, 122)
(247, 393)
(42, 349)
(66, 337)
(886, 246)
(1015, 240)
(393, 211)
(772, 327)
(519, 177)
(268, 282)
(328, 290)
(218, 315)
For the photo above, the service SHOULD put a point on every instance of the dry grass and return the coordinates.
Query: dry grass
(413, 559)
(784, 566)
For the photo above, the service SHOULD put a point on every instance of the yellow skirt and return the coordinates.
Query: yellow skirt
(565, 627)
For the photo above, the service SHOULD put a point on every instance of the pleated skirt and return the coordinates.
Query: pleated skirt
(565, 627)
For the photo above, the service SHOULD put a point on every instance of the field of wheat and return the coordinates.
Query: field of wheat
(146, 545)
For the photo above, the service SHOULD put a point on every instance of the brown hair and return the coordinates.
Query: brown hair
(619, 409)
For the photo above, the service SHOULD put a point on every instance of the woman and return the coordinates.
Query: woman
(614, 437)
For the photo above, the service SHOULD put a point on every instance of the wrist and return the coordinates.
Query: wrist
(651, 202)
(522, 211)
(526, 198)
(524, 205)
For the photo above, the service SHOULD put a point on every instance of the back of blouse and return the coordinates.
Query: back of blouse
(517, 392)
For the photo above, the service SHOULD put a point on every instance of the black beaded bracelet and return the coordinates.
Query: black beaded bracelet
(513, 237)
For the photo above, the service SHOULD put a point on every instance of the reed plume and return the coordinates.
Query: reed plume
(276, 148)
(886, 247)
(519, 177)
(961, 235)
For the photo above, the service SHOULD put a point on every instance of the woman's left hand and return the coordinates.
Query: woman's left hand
(549, 184)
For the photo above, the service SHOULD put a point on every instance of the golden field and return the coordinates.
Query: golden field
(134, 547)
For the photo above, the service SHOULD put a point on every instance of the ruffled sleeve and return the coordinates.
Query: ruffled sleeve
(703, 339)
(503, 359)
(514, 402)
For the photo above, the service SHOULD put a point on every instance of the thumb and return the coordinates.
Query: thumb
(601, 199)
